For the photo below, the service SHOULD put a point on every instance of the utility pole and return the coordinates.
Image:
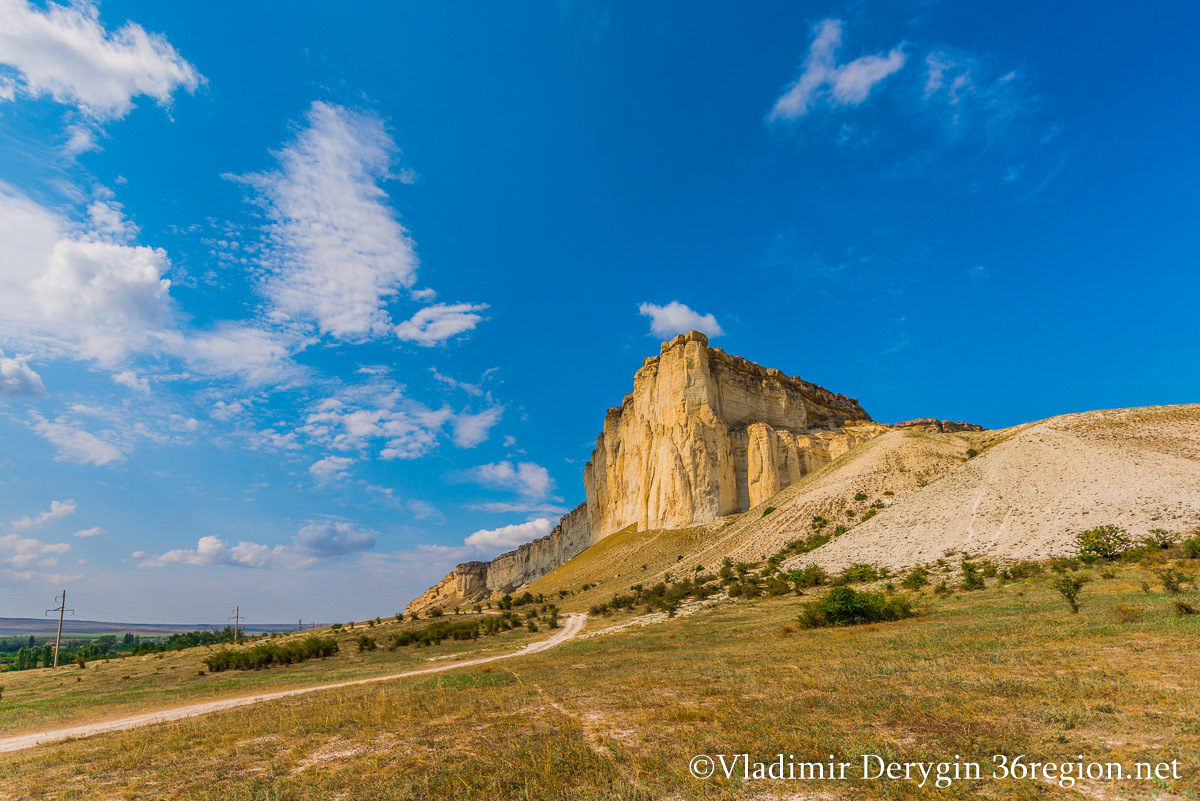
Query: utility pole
(61, 600)
(300, 625)
(235, 617)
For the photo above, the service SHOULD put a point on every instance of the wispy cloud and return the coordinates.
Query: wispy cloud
(18, 379)
(57, 511)
(676, 318)
(472, 429)
(825, 81)
(338, 252)
(75, 444)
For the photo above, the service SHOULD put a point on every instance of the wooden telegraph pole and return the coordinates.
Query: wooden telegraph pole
(61, 600)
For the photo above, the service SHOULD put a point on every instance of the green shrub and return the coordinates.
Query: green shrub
(1161, 538)
(263, 656)
(434, 633)
(366, 643)
(844, 606)
(810, 576)
(1021, 571)
(336, 626)
(918, 578)
(860, 496)
(858, 574)
(436, 612)
(1105, 542)
(1173, 580)
(768, 511)
(972, 578)
(839, 531)
(869, 514)
(1070, 587)
(1191, 547)
(972, 453)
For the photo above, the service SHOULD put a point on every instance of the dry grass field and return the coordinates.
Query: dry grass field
(1003, 670)
(38, 700)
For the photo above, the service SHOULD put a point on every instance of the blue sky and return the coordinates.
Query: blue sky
(299, 310)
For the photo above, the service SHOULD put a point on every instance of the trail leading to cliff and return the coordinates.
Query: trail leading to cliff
(572, 626)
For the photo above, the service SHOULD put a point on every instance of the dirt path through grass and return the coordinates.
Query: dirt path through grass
(571, 627)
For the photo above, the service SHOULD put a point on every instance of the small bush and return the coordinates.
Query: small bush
(1070, 587)
(1021, 571)
(972, 453)
(972, 578)
(941, 589)
(1184, 608)
(860, 496)
(336, 626)
(1191, 547)
(1173, 580)
(859, 574)
(768, 511)
(810, 576)
(869, 514)
(918, 578)
(436, 612)
(1161, 538)
(844, 606)
(1106, 542)
(839, 531)
(1062, 564)
(399, 617)
(366, 643)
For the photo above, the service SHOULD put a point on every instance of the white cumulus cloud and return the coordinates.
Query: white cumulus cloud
(506, 538)
(94, 531)
(24, 553)
(433, 325)
(530, 480)
(676, 318)
(312, 544)
(66, 53)
(330, 467)
(824, 79)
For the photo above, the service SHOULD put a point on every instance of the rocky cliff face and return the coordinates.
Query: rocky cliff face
(705, 434)
(936, 426)
(702, 435)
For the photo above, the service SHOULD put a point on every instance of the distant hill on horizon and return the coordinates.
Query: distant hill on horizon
(24, 626)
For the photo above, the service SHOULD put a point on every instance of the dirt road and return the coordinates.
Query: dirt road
(571, 627)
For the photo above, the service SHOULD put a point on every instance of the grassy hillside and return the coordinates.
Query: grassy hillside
(912, 497)
(1002, 670)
